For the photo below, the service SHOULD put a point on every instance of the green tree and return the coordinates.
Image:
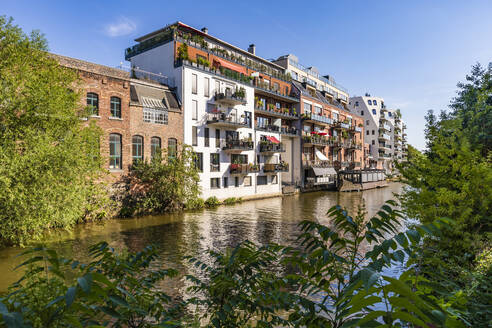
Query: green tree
(47, 155)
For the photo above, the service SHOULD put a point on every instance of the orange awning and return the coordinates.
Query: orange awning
(231, 66)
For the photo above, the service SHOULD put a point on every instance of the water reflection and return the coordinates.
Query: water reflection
(192, 233)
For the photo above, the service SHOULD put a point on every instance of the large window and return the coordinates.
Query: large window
(194, 136)
(261, 180)
(172, 147)
(194, 110)
(335, 117)
(155, 146)
(154, 115)
(206, 87)
(137, 148)
(115, 104)
(307, 108)
(217, 138)
(115, 151)
(199, 161)
(194, 82)
(207, 138)
(214, 162)
(214, 183)
(93, 103)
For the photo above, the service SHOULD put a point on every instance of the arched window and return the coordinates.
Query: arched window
(115, 104)
(115, 151)
(93, 103)
(137, 148)
(172, 144)
(155, 146)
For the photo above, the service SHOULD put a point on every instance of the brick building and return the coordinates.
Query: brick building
(136, 116)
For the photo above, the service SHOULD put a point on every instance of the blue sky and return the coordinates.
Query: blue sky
(412, 53)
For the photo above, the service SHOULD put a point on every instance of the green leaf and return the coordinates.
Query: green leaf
(118, 300)
(70, 295)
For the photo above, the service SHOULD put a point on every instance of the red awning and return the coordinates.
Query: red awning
(322, 133)
(229, 65)
(314, 132)
(274, 140)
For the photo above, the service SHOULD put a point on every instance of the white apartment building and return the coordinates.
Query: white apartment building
(218, 113)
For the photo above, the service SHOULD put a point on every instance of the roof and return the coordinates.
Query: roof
(319, 97)
(153, 95)
(322, 171)
(86, 66)
(244, 52)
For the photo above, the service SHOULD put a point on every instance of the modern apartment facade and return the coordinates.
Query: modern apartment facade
(238, 113)
(332, 137)
(384, 134)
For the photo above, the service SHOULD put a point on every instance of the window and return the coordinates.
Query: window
(214, 183)
(274, 179)
(225, 184)
(207, 137)
(206, 87)
(369, 102)
(247, 118)
(172, 147)
(367, 132)
(194, 82)
(335, 117)
(247, 181)
(154, 115)
(356, 104)
(115, 151)
(374, 102)
(373, 143)
(361, 113)
(389, 114)
(236, 181)
(217, 86)
(276, 86)
(307, 108)
(318, 110)
(137, 148)
(93, 103)
(199, 161)
(374, 111)
(372, 132)
(277, 105)
(194, 110)
(261, 180)
(155, 146)
(367, 122)
(214, 162)
(239, 159)
(194, 136)
(115, 104)
(217, 138)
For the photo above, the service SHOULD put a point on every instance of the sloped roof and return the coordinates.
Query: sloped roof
(153, 95)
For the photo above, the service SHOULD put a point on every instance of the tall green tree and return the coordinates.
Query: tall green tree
(47, 154)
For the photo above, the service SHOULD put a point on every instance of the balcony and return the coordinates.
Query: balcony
(316, 163)
(288, 131)
(355, 129)
(230, 99)
(279, 167)
(384, 136)
(340, 143)
(315, 118)
(385, 127)
(265, 89)
(268, 128)
(243, 168)
(267, 147)
(285, 113)
(316, 141)
(226, 121)
(341, 125)
(354, 146)
(384, 155)
(237, 146)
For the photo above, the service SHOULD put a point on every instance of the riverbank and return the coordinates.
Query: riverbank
(193, 232)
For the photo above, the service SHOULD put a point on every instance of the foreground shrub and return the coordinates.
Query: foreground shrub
(212, 202)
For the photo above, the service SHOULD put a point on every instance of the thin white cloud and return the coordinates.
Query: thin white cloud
(123, 26)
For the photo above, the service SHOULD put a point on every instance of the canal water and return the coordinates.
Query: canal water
(193, 233)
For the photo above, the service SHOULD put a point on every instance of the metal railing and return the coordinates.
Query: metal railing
(238, 145)
(270, 147)
(224, 118)
(278, 167)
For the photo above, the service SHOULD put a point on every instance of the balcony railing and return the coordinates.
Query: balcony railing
(289, 131)
(270, 147)
(317, 118)
(230, 98)
(354, 146)
(279, 167)
(355, 129)
(238, 145)
(341, 125)
(384, 136)
(317, 140)
(271, 90)
(286, 113)
(384, 127)
(268, 128)
(231, 121)
(243, 168)
(316, 163)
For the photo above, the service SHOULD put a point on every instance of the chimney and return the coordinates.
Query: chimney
(205, 30)
(252, 49)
